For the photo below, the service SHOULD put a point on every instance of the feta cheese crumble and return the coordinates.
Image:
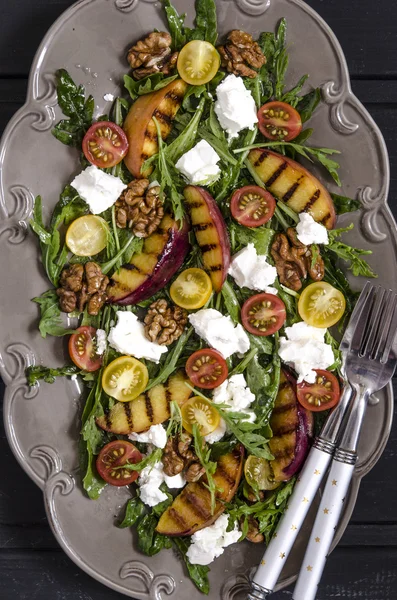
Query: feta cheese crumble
(156, 435)
(150, 480)
(251, 270)
(108, 97)
(310, 232)
(200, 165)
(99, 189)
(220, 332)
(209, 543)
(217, 434)
(100, 341)
(236, 393)
(128, 337)
(235, 107)
(304, 349)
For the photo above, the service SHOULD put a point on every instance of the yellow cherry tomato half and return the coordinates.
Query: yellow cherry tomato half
(87, 235)
(125, 378)
(191, 289)
(200, 412)
(198, 62)
(259, 474)
(321, 305)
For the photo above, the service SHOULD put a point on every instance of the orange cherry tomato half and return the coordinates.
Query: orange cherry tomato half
(82, 349)
(117, 454)
(263, 314)
(105, 144)
(206, 368)
(252, 206)
(279, 121)
(323, 394)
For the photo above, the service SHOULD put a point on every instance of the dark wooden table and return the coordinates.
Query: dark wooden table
(364, 565)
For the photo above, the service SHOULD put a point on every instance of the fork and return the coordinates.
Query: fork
(306, 487)
(369, 366)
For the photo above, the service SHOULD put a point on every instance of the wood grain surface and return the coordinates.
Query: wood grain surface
(364, 566)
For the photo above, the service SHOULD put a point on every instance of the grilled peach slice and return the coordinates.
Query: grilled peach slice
(211, 233)
(291, 426)
(191, 510)
(148, 272)
(293, 184)
(141, 129)
(150, 408)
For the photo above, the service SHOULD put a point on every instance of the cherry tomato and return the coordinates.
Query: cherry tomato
(87, 235)
(105, 144)
(279, 121)
(200, 412)
(321, 305)
(198, 62)
(252, 206)
(206, 368)
(82, 349)
(263, 314)
(125, 378)
(191, 289)
(116, 454)
(259, 474)
(323, 394)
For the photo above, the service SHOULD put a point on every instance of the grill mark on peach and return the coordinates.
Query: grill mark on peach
(276, 174)
(148, 407)
(289, 193)
(202, 226)
(288, 452)
(128, 415)
(214, 268)
(168, 396)
(283, 430)
(108, 419)
(208, 247)
(131, 267)
(144, 156)
(325, 219)
(261, 158)
(174, 97)
(220, 470)
(178, 518)
(151, 135)
(312, 200)
(164, 117)
(199, 509)
(278, 410)
(194, 204)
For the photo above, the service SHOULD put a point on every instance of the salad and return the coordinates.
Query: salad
(198, 262)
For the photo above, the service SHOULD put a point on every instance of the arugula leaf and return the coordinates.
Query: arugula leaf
(206, 22)
(149, 541)
(149, 460)
(92, 483)
(134, 510)
(343, 204)
(185, 140)
(261, 237)
(171, 360)
(72, 101)
(264, 382)
(281, 59)
(132, 246)
(349, 254)
(50, 315)
(246, 433)
(308, 104)
(37, 372)
(197, 573)
(176, 25)
(203, 454)
(292, 97)
(149, 84)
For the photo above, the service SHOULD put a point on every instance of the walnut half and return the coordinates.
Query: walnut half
(152, 54)
(241, 55)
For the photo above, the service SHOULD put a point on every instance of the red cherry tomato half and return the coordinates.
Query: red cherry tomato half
(323, 394)
(263, 314)
(82, 349)
(116, 454)
(105, 144)
(252, 206)
(206, 368)
(279, 121)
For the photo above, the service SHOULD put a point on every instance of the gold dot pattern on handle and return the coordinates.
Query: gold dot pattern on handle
(263, 562)
(309, 568)
(326, 511)
(334, 482)
(317, 472)
(317, 540)
(305, 500)
(293, 528)
(282, 555)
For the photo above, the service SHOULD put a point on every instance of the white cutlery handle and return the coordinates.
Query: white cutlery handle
(305, 490)
(324, 527)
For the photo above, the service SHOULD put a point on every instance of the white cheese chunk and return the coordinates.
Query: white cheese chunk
(150, 480)
(210, 542)
(251, 270)
(100, 341)
(200, 165)
(235, 107)
(220, 332)
(128, 337)
(108, 97)
(236, 393)
(99, 189)
(156, 435)
(217, 434)
(304, 349)
(310, 232)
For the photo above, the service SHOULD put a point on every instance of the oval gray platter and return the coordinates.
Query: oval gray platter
(42, 424)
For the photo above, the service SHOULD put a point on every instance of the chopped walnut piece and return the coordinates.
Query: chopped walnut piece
(294, 260)
(152, 54)
(179, 456)
(253, 534)
(173, 464)
(241, 54)
(140, 208)
(81, 286)
(194, 472)
(163, 323)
